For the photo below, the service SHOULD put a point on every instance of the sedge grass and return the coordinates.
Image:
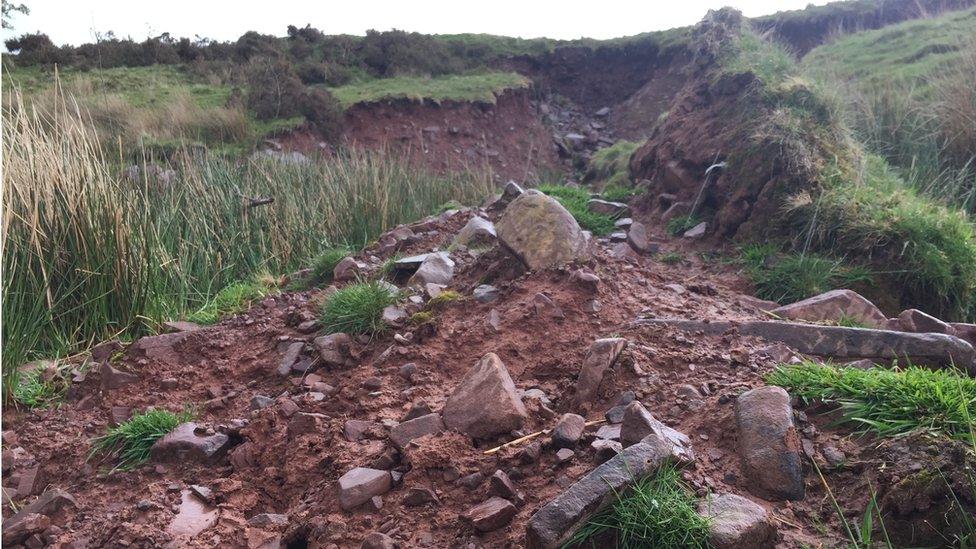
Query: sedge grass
(129, 443)
(357, 308)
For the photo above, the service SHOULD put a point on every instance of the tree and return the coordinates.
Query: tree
(9, 9)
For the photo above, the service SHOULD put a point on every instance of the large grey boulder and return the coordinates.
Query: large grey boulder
(769, 444)
(840, 342)
(735, 522)
(540, 232)
(485, 403)
(556, 521)
(834, 305)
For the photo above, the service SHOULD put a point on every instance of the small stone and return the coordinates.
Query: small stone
(623, 223)
(769, 444)
(115, 379)
(735, 522)
(262, 520)
(592, 306)
(564, 455)
(471, 481)
(373, 383)
(609, 432)
(355, 430)
(419, 495)
(305, 423)
(417, 410)
(638, 424)
(488, 381)
(486, 293)
(336, 350)
(378, 540)
(603, 353)
(360, 484)
(169, 384)
(437, 268)
(605, 449)
(477, 232)
(260, 401)
(491, 515)
(393, 315)
(347, 269)
(403, 433)
(182, 445)
(833, 456)
(568, 431)
(697, 231)
(638, 239)
(615, 414)
(531, 453)
(408, 370)
(500, 485)
(589, 281)
(544, 306)
(289, 358)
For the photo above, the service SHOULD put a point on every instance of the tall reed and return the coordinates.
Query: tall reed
(89, 253)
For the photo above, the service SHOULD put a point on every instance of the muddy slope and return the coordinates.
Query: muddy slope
(507, 137)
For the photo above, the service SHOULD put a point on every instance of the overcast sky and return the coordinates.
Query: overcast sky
(76, 21)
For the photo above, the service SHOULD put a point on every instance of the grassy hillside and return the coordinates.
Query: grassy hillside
(481, 87)
(909, 93)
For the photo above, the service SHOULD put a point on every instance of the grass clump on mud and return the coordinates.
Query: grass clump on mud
(129, 442)
(36, 389)
(885, 401)
(574, 200)
(324, 263)
(609, 166)
(787, 278)
(357, 308)
(230, 300)
(657, 511)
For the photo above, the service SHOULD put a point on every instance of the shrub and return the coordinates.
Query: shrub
(273, 88)
(574, 200)
(357, 308)
(130, 441)
(888, 402)
(322, 112)
(657, 511)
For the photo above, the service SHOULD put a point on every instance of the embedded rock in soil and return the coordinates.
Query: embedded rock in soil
(194, 517)
(735, 522)
(182, 444)
(606, 207)
(913, 320)
(336, 350)
(544, 306)
(554, 522)
(180, 326)
(568, 431)
(833, 305)
(48, 504)
(485, 403)
(601, 356)
(402, 434)
(769, 444)
(290, 357)
(159, 347)
(357, 486)
(540, 232)
(115, 379)
(355, 430)
(28, 525)
(965, 332)
(478, 231)
(378, 540)
(639, 241)
(502, 486)
(436, 268)
(841, 342)
(697, 231)
(347, 269)
(485, 293)
(638, 424)
(490, 515)
(511, 191)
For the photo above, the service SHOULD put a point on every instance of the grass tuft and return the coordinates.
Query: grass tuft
(657, 511)
(574, 200)
(443, 298)
(888, 402)
(679, 224)
(33, 391)
(672, 258)
(792, 277)
(129, 442)
(232, 299)
(357, 308)
(324, 263)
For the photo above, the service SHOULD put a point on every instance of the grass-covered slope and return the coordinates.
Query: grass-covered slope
(793, 174)
(478, 87)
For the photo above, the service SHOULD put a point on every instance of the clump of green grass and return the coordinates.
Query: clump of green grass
(608, 168)
(357, 308)
(672, 258)
(679, 224)
(618, 193)
(33, 391)
(130, 441)
(324, 263)
(789, 278)
(574, 200)
(232, 299)
(888, 402)
(657, 511)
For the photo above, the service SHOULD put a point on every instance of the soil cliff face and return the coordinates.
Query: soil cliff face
(508, 137)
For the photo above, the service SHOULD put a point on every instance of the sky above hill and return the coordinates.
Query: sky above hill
(78, 21)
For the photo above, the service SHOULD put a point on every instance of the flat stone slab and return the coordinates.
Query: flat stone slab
(926, 349)
(556, 521)
(182, 445)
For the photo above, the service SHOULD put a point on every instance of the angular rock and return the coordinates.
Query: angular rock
(736, 522)
(965, 332)
(568, 431)
(160, 347)
(29, 524)
(842, 343)
(588, 281)
(500, 485)
(478, 231)
(769, 444)
(347, 269)
(697, 231)
(290, 357)
(544, 306)
(115, 379)
(402, 434)
(394, 316)
(180, 326)
(623, 251)
(419, 495)
(378, 540)
(606, 207)
(485, 403)
(623, 223)
(913, 320)
(540, 232)
(511, 191)
(638, 424)
(606, 449)
(564, 455)
(555, 521)
(355, 430)
(639, 240)
(609, 432)
(336, 350)
(262, 520)
(182, 444)
(833, 305)
(437, 268)
(490, 515)
(485, 293)
(358, 485)
(600, 357)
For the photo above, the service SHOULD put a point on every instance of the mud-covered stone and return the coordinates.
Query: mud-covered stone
(336, 350)
(568, 431)
(490, 515)
(358, 485)
(402, 434)
(736, 522)
(834, 305)
(183, 444)
(485, 403)
(600, 357)
(540, 232)
(769, 444)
